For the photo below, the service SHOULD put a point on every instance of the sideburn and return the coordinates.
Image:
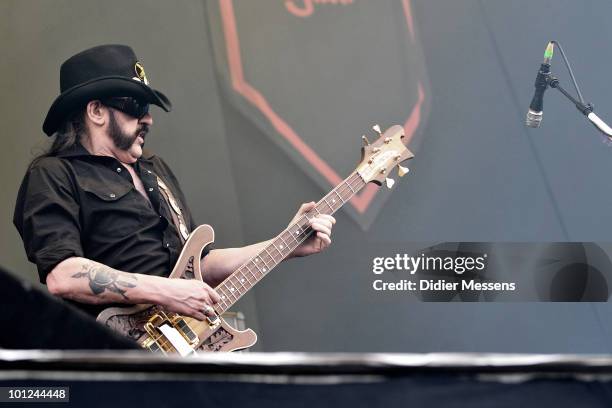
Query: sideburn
(121, 140)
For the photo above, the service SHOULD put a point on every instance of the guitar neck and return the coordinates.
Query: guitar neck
(245, 277)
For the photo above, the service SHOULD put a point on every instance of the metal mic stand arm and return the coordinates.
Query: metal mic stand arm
(585, 109)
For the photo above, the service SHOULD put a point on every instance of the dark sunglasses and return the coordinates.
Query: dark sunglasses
(130, 106)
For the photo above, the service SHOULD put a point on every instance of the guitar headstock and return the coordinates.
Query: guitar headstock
(379, 158)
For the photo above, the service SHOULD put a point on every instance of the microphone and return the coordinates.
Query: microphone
(534, 114)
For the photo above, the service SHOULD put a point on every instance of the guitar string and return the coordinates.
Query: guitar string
(233, 279)
(339, 190)
(303, 235)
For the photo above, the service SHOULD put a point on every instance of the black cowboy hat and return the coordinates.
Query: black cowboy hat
(100, 72)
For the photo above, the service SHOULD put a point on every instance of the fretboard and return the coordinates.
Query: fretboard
(245, 277)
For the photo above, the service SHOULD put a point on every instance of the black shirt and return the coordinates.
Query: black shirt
(78, 204)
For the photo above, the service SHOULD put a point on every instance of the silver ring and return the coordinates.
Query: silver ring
(208, 310)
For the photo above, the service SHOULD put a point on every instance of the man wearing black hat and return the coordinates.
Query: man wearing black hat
(104, 220)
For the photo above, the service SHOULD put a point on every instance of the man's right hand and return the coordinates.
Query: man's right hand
(188, 297)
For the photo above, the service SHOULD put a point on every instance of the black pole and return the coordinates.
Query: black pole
(585, 109)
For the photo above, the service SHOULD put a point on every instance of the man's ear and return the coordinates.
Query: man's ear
(96, 113)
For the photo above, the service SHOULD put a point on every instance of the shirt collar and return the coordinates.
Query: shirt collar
(73, 151)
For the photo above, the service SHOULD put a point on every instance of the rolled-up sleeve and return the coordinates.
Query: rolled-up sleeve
(47, 215)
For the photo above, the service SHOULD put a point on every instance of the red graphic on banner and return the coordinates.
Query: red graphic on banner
(307, 7)
(360, 201)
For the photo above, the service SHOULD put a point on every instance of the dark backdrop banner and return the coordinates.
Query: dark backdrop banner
(316, 78)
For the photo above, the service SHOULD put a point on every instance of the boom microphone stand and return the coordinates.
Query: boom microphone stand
(585, 108)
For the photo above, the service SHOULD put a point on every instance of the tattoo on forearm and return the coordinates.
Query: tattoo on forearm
(103, 278)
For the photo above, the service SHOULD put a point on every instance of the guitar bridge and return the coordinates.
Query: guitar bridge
(158, 342)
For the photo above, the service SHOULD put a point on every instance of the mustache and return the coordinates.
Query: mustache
(142, 130)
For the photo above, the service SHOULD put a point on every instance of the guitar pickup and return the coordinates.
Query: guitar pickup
(181, 325)
(153, 345)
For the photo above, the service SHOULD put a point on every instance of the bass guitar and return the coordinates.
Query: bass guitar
(169, 333)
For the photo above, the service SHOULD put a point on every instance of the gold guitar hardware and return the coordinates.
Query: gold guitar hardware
(175, 321)
(402, 171)
(213, 321)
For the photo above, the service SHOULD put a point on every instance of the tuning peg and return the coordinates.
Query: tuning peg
(390, 182)
(377, 129)
(366, 142)
(402, 171)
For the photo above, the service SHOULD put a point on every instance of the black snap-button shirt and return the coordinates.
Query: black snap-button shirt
(78, 204)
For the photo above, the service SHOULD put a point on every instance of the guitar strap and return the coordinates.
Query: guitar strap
(177, 215)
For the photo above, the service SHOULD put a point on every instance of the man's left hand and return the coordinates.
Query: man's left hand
(322, 224)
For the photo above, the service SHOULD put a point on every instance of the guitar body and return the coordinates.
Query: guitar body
(142, 323)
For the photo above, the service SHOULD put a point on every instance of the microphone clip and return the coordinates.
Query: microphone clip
(544, 77)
